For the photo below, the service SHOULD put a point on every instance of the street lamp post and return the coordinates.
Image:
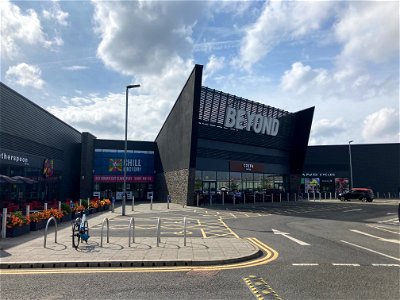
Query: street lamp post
(351, 166)
(126, 144)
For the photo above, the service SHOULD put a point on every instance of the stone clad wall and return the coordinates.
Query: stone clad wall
(179, 184)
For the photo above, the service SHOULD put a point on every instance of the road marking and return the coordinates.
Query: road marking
(388, 221)
(392, 257)
(348, 265)
(356, 209)
(386, 265)
(233, 215)
(311, 264)
(269, 255)
(260, 288)
(203, 233)
(376, 237)
(230, 230)
(285, 234)
(383, 228)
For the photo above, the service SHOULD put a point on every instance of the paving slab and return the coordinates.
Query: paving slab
(28, 251)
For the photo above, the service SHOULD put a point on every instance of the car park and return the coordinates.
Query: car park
(363, 194)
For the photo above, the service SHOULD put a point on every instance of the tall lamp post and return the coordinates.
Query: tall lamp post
(131, 86)
(351, 166)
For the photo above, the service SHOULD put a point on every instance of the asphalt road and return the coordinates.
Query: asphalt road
(326, 251)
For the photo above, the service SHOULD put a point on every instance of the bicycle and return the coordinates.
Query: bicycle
(80, 231)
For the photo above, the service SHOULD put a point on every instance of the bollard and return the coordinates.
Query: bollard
(210, 199)
(320, 197)
(45, 231)
(151, 202)
(287, 197)
(263, 197)
(197, 200)
(4, 223)
(272, 197)
(131, 232)
(254, 196)
(377, 195)
(280, 197)
(158, 231)
(244, 198)
(223, 198)
(28, 210)
(389, 194)
(108, 232)
(80, 202)
(314, 196)
(295, 197)
(330, 195)
(169, 200)
(184, 231)
(59, 205)
(133, 203)
(324, 195)
(234, 199)
(335, 195)
(308, 196)
(45, 206)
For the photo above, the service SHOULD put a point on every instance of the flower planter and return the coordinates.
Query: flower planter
(92, 211)
(35, 226)
(17, 231)
(106, 207)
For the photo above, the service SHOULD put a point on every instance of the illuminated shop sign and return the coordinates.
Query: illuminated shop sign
(320, 174)
(8, 156)
(109, 166)
(239, 166)
(244, 120)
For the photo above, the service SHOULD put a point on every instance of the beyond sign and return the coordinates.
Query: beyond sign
(259, 124)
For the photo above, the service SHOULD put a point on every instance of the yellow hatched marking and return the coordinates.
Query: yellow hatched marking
(230, 230)
(203, 233)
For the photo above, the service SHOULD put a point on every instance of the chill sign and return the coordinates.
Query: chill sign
(236, 118)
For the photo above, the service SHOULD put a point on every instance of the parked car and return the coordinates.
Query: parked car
(363, 194)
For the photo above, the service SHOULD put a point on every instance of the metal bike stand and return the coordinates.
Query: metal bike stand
(158, 231)
(45, 231)
(184, 231)
(108, 232)
(131, 232)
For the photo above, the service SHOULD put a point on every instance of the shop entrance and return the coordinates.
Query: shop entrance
(209, 190)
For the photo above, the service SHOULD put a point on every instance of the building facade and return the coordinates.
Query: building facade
(38, 153)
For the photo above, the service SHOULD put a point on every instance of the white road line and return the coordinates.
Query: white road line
(388, 221)
(386, 265)
(350, 265)
(356, 209)
(305, 264)
(384, 229)
(392, 257)
(233, 215)
(376, 237)
(286, 235)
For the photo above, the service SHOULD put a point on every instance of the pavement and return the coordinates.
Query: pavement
(28, 251)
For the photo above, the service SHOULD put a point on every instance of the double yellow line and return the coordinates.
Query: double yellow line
(269, 255)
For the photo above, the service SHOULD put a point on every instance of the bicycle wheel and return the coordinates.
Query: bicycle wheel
(75, 235)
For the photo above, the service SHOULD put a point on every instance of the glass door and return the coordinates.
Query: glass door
(209, 191)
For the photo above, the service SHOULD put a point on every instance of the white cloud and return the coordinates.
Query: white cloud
(25, 75)
(280, 22)
(75, 68)
(56, 13)
(19, 29)
(145, 37)
(382, 126)
(214, 65)
(369, 32)
(323, 131)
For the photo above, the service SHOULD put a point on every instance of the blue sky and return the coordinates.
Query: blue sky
(74, 58)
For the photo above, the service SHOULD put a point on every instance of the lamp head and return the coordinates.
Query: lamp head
(132, 86)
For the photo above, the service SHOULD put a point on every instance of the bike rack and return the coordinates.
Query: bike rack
(45, 232)
(108, 231)
(131, 232)
(184, 231)
(158, 231)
